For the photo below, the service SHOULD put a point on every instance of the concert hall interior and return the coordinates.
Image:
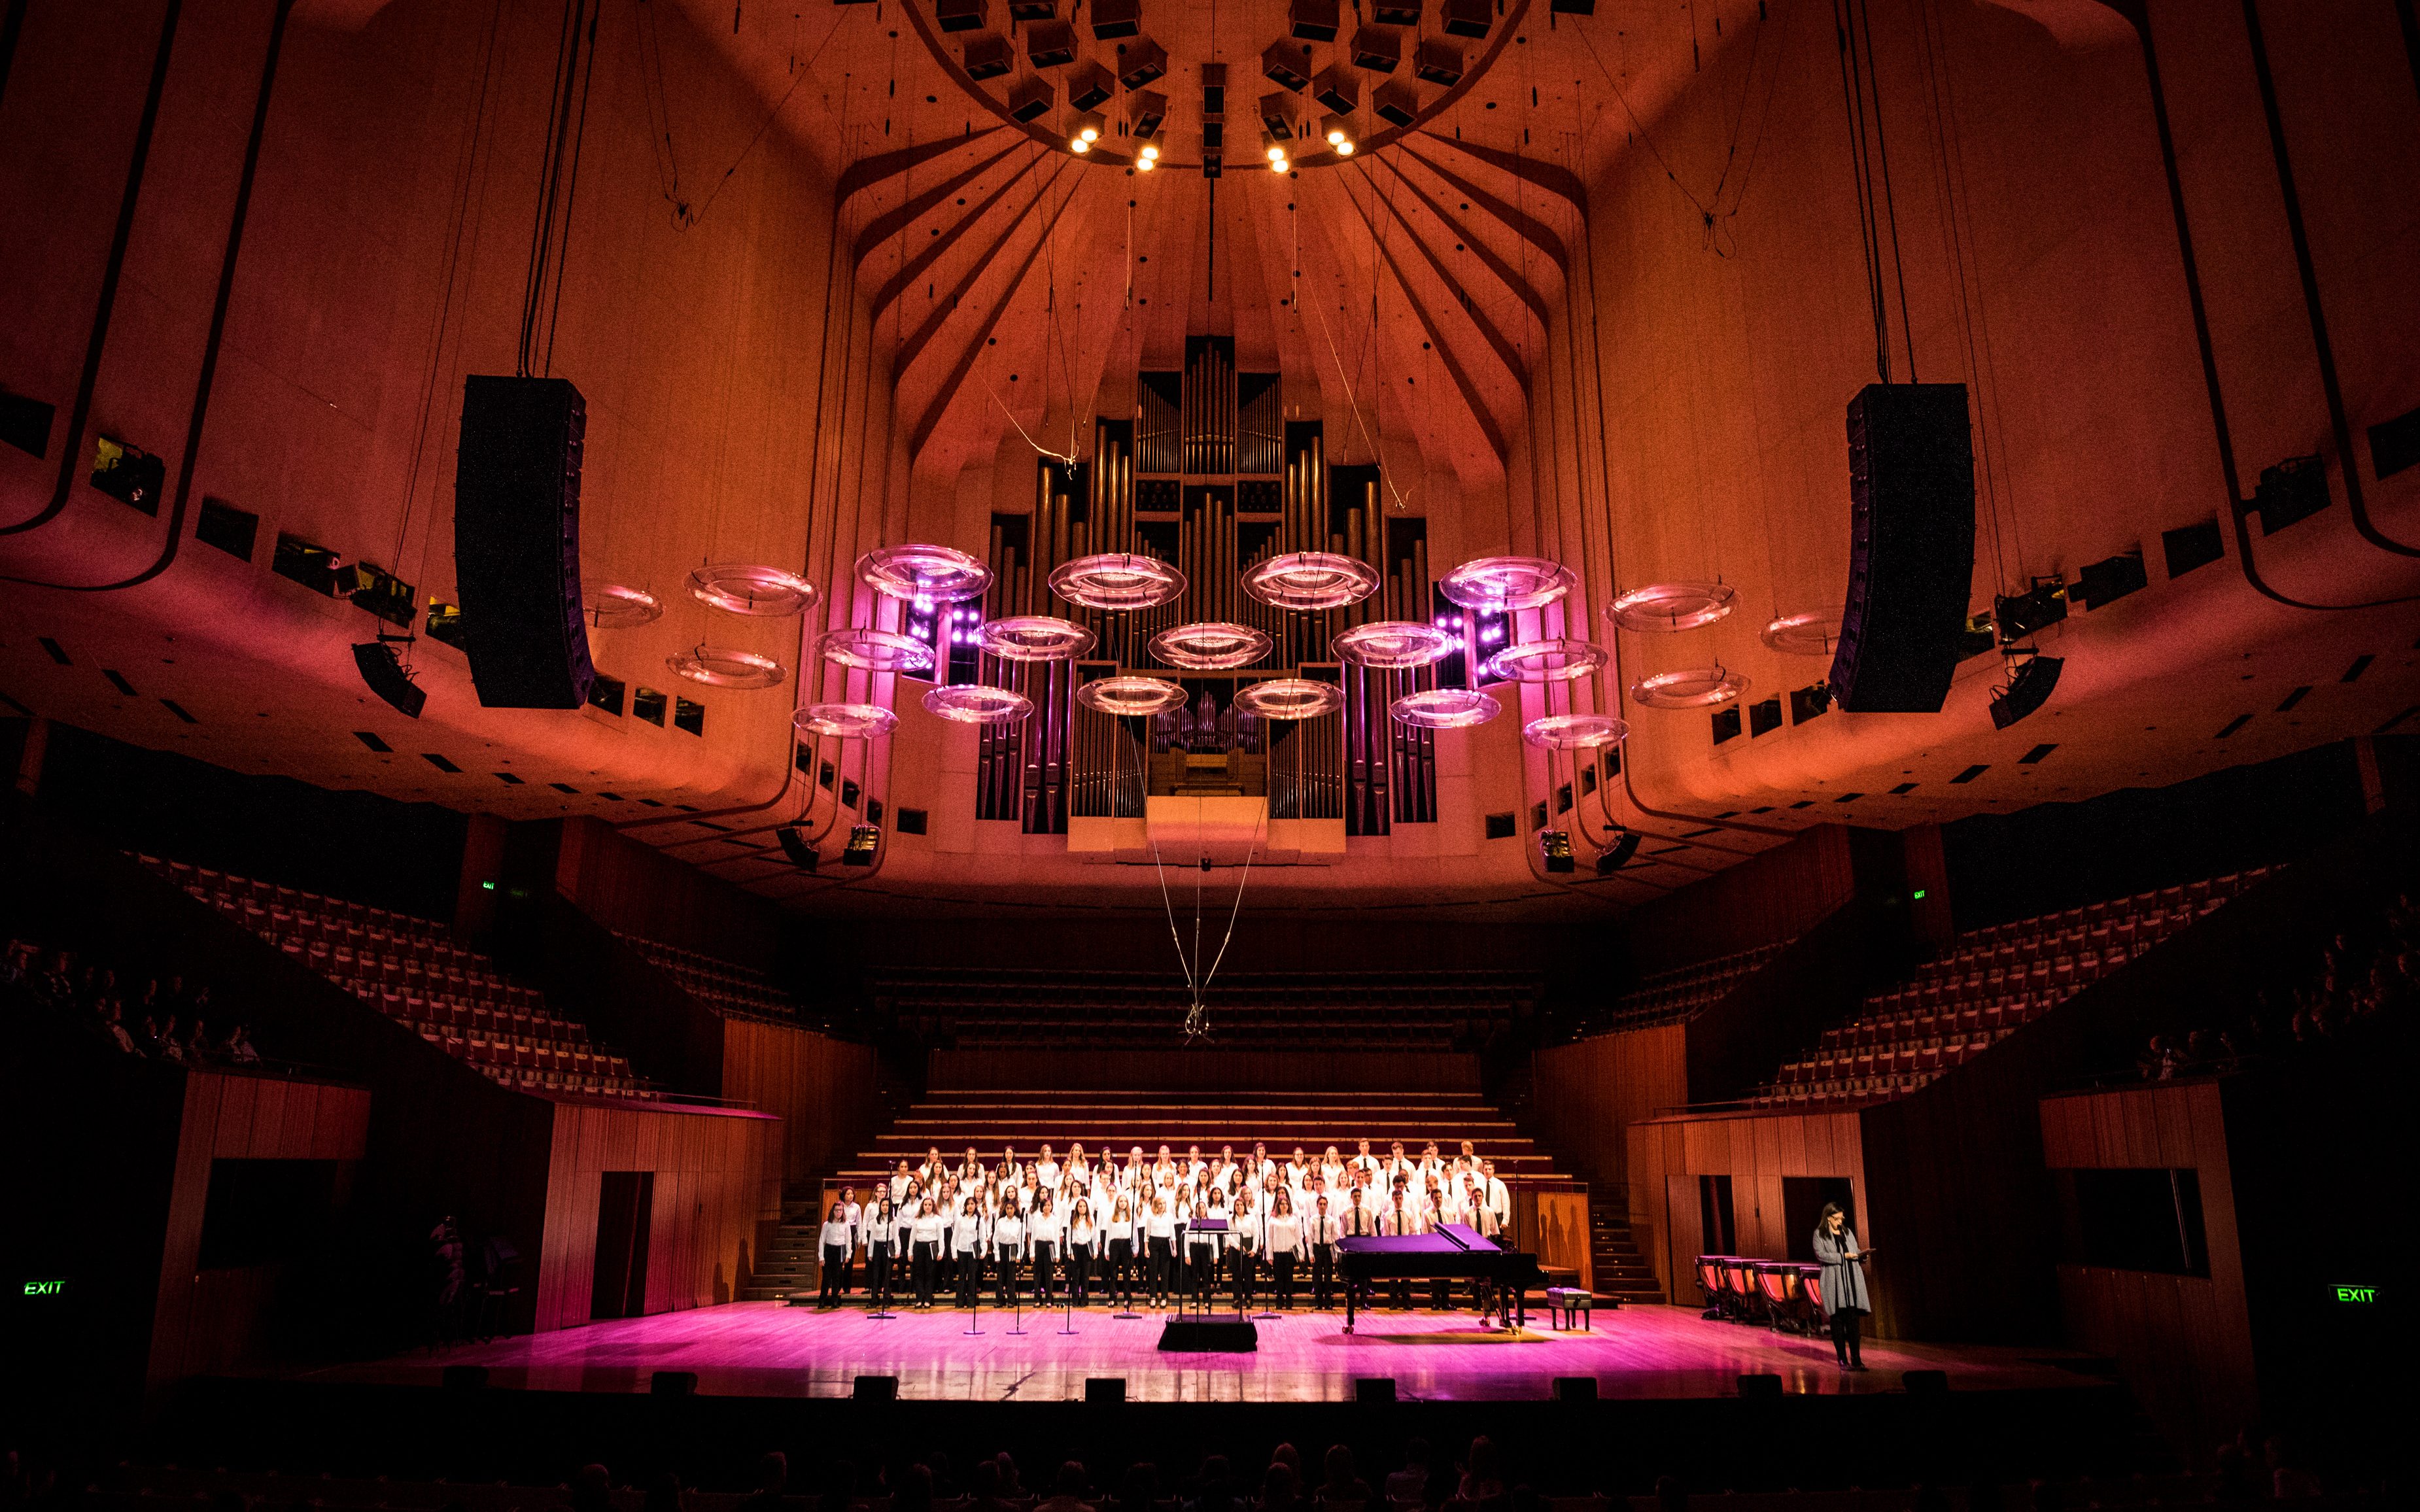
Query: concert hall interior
(760, 756)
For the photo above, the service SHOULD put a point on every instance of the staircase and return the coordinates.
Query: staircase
(787, 1262)
(1621, 1274)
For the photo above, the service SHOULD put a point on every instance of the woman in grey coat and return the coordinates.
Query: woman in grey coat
(1844, 1282)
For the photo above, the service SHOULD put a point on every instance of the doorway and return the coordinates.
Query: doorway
(626, 1202)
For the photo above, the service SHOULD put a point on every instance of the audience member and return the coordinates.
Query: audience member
(772, 1478)
(1066, 1491)
(1481, 1475)
(914, 1492)
(1138, 1491)
(1277, 1487)
(592, 1489)
(1340, 1485)
(1411, 1482)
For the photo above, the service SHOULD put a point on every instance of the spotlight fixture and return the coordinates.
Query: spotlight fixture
(1279, 165)
(1338, 130)
(1144, 164)
(1618, 851)
(1554, 849)
(863, 841)
(1085, 131)
(1271, 148)
(2019, 615)
(2031, 680)
(795, 844)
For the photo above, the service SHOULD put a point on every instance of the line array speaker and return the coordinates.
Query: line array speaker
(517, 542)
(1911, 547)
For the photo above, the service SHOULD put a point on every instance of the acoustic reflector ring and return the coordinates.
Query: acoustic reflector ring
(978, 703)
(1392, 645)
(1693, 687)
(1124, 696)
(1310, 580)
(1116, 579)
(621, 607)
(1210, 646)
(1444, 708)
(877, 651)
(1811, 634)
(752, 589)
(1498, 585)
(1547, 661)
(1036, 638)
(924, 572)
(1673, 606)
(1575, 731)
(724, 667)
(1290, 698)
(848, 721)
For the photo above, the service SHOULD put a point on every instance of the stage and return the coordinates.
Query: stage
(763, 1348)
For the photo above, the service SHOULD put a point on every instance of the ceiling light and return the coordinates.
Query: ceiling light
(752, 589)
(1574, 731)
(1547, 661)
(1086, 131)
(932, 574)
(1500, 583)
(877, 651)
(1444, 708)
(978, 703)
(1673, 606)
(1394, 645)
(1694, 687)
(1150, 150)
(1116, 579)
(1080, 146)
(1344, 150)
(1802, 635)
(1310, 580)
(1036, 638)
(619, 607)
(1280, 166)
(1130, 695)
(1146, 165)
(721, 666)
(1338, 130)
(848, 721)
(1290, 698)
(1210, 646)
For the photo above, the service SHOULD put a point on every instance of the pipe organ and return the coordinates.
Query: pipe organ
(1209, 476)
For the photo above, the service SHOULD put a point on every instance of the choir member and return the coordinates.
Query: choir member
(1203, 1247)
(1244, 1246)
(1122, 1230)
(900, 1181)
(967, 1243)
(1365, 1164)
(1008, 1244)
(1402, 1217)
(1283, 1229)
(838, 1240)
(925, 1249)
(1159, 1234)
(1321, 1234)
(882, 1234)
(1082, 1245)
(1045, 1232)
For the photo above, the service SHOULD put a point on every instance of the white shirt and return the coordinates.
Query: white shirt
(1499, 1200)
(1360, 1218)
(879, 1235)
(1323, 1230)
(966, 1235)
(1407, 1219)
(1008, 1232)
(838, 1235)
(928, 1227)
(1080, 1233)
(1044, 1228)
(1284, 1234)
(1160, 1225)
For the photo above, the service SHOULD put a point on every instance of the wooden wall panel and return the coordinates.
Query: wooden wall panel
(1756, 1152)
(822, 1089)
(1587, 1094)
(711, 1188)
(1396, 1071)
(1559, 1233)
(630, 885)
(2184, 1342)
(1769, 897)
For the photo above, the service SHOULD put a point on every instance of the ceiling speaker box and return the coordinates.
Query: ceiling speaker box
(387, 679)
(1115, 18)
(1396, 12)
(1032, 99)
(1314, 20)
(959, 15)
(1911, 547)
(1051, 44)
(1144, 63)
(1397, 101)
(1469, 18)
(988, 55)
(1033, 9)
(517, 542)
(1333, 88)
(1148, 108)
(1377, 50)
(1438, 62)
(1287, 65)
(1089, 86)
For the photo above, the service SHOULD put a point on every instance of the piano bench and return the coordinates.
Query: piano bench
(1564, 1304)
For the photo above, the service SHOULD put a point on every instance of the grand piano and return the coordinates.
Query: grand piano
(1454, 1252)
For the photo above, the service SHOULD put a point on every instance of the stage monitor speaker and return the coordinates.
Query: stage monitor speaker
(1911, 547)
(1575, 1388)
(1105, 1390)
(517, 542)
(1759, 1386)
(1209, 1335)
(465, 1376)
(673, 1383)
(875, 1389)
(1925, 1383)
(1373, 1389)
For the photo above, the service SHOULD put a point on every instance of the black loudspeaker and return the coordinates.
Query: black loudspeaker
(875, 1389)
(1925, 1383)
(796, 845)
(1373, 1389)
(1760, 1386)
(465, 1376)
(517, 542)
(387, 679)
(1911, 547)
(2029, 687)
(1105, 1390)
(1575, 1388)
(1616, 852)
(673, 1383)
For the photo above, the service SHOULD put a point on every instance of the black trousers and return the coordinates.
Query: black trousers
(1122, 1271)
(1162, 1271)
(1201, 1273)
(1243, 1271)
(970, 1267)
(920, 1265)
(877, 1277)
(835, 1275)
(1282, 1278)
(1844, 1335)
(1008, 1287)
(1323, 1274)
(1079, 1271)
(1045, 1268)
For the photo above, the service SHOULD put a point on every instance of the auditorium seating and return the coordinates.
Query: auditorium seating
(725, 986)
(411, 970)
(1991, 982)
(999, 1010)
(1678, 992)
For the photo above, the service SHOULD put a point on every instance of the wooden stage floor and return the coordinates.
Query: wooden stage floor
(755, 1348)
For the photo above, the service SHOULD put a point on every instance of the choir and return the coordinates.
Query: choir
(1164, 1230)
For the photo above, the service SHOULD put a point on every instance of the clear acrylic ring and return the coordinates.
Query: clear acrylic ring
(1444, 708)
(1674, 605)
(1574, 731)
(847, 721)
(1036, 638)
(1210, 646)
(750, 588)
(877, 651)
(915, 571)
(1290, 698)
(1390, 645)
(978, 703)
(1547, 661)
(1310, 580)
(1498, 585)
(1693, 687)
(724, 667)
(1116, 579)
(1128, 696)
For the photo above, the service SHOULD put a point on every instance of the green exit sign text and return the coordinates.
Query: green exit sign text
(2357, 1296)
(44, 1288)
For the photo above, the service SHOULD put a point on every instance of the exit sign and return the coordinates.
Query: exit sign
(2357, 1296)
(44, 1288)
